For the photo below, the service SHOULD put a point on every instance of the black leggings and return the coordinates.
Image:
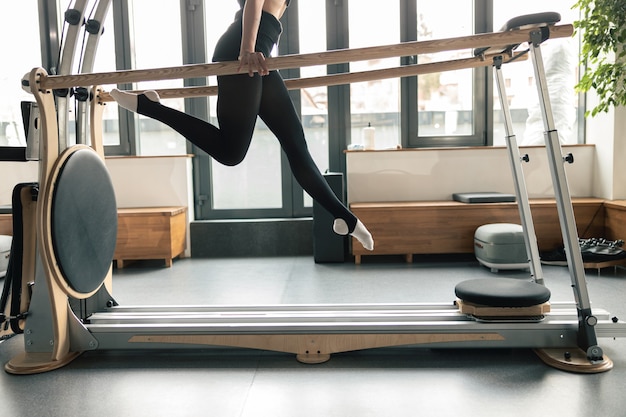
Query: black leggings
(241, 98)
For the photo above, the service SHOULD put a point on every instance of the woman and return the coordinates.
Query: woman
(241, 98)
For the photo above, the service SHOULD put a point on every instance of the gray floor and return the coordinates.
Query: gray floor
(385, 382)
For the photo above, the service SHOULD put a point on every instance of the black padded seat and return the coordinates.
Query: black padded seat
(502, 292)
(531, 20)
(522, 22)
(84, 221)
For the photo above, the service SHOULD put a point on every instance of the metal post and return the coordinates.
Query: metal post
(94, 28)
(530, 238)
(586, 335)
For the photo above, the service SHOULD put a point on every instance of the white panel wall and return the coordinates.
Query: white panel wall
(151, 181)
(138, 182)
(12, 173)
(154, 182)
(435, 174)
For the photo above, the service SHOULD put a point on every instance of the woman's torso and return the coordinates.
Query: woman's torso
(228, 46)
(274, 7)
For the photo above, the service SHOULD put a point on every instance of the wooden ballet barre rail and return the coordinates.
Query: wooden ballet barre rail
(343, 78)
(492, 40)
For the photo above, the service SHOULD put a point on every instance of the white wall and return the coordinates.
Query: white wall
(607, 131)
(154, 182)
(138, 182)
(435, 174)
(12, 173)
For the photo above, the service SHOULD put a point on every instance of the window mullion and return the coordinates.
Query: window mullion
(408, 85)
(339, 122)
(122, 20)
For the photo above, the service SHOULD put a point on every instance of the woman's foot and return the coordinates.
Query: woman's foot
(129, 100)
(360, 232)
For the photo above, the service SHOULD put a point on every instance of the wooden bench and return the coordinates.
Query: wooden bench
(150, 233)
(6, 221)
(142, 233)
(434, 227)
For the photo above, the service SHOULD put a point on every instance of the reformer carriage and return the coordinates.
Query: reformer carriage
(68, 253)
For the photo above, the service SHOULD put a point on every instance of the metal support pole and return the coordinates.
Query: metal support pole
(74, 17)
(94, 28)
(586, 335)
(530, 238)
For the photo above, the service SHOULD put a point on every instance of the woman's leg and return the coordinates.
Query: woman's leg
(237, 109)
(278, 113)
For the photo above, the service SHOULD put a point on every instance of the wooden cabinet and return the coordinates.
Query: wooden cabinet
(150, 233)
(615, 222)
(6, 224)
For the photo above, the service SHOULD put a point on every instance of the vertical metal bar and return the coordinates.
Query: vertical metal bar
(94, 28)
(194, 46)
(530, 238)
(124, 59)
(587, 337)
(49, 36)
(75, 18)
(339, 118)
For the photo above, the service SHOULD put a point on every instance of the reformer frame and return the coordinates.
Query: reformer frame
(57, 331)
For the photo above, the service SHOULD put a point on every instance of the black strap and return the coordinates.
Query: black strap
(13, 278)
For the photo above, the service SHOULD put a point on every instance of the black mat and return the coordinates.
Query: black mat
(84, 221)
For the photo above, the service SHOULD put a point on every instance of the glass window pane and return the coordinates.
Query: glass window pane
(561, 63)
(256, 183)
(375, 102)
(314, 101)
(445, 99)
(157, 29)
(105, 62)
(21, 54)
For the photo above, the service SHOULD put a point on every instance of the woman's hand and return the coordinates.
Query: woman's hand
(254, 61)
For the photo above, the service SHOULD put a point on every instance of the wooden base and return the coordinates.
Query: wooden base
(573, 360)
(316, 348)
(36, 363)
(502, 312)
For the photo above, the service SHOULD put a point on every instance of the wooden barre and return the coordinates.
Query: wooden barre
(492, 40)
(344, 78)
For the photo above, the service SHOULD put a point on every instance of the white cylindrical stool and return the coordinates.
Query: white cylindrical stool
(5, 252)
(501, 246)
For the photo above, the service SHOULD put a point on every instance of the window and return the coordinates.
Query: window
(256, 183)
(105, 62)
(157, 43)
(376, 103)
(445, 99)
(560, 58)
(314, 101)
(24, 44)
(456, 108)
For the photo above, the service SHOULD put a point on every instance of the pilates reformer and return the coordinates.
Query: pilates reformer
(72, 309)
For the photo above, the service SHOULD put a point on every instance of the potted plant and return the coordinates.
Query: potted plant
(602, 26)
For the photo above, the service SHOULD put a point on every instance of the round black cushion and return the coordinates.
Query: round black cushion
(502, 292)
(84, 221)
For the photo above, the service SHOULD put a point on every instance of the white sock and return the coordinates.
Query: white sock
(363, 235)
(129, 100)
(360, 232)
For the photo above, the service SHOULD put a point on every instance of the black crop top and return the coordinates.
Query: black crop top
(242, 2)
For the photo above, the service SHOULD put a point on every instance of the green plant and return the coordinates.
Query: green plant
(602, 26)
